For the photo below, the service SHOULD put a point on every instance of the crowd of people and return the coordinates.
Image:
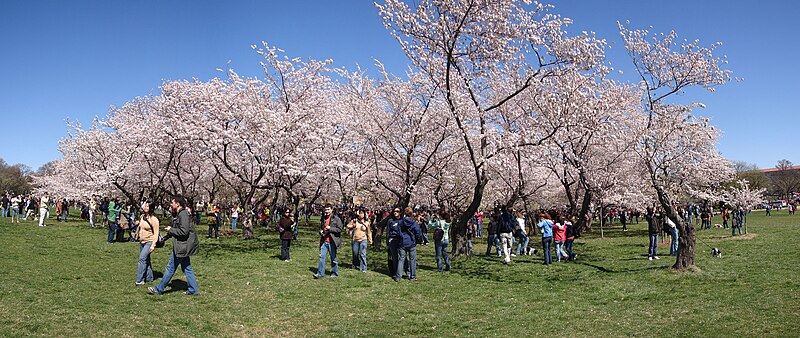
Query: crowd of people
(400, 230)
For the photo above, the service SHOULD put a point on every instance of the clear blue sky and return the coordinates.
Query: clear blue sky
(73, 59)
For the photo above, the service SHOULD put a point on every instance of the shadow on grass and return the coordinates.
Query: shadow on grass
(607, 270)
(176, 285)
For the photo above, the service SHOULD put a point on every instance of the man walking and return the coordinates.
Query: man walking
(184, 245)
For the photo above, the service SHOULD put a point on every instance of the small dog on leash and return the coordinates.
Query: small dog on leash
(531, 251)
(716, 252)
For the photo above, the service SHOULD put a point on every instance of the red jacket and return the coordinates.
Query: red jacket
(559, 232)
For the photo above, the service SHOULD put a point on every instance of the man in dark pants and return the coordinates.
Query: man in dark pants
(330, 238)
(184, 245)
(286, 233)
(393, 239)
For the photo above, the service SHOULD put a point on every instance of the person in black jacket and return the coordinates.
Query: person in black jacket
(652, 230)
(284, 228)
(184, 245)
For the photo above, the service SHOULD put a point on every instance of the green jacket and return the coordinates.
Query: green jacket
(113, 211)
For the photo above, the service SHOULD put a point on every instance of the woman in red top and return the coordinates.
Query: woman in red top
(560, 236)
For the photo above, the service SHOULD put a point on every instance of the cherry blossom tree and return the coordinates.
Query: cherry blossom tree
(677, 148)
(480, 55)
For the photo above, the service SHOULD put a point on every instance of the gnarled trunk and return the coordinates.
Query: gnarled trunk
(459, 228)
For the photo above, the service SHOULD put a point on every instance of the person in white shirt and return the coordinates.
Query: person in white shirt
(44, 209)
(92, 209)
(15, 204)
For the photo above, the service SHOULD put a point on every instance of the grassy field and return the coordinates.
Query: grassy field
(64, 280)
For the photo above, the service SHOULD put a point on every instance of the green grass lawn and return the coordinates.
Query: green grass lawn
(64, 280)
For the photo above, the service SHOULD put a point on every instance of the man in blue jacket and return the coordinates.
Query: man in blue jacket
(411, 234)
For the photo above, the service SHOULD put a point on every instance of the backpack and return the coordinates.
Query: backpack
(438, 234)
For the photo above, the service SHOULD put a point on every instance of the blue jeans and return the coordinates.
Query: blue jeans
(325, 249)
(560, 251)
(213, 229)
(186, 267)
(144, 272)
(441, 253)
(548, 256)
(493, 239)
(233, 223)
(64, 216)
(112, 231)
(522, 244)
(14, 213)
(360, 255)
(568, 246)
(480, 229)
(673, 248)
(412, 257)
(3, 211)
(652, 250)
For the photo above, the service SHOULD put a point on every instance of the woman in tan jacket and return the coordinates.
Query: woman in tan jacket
(359, 229)
(147, 232)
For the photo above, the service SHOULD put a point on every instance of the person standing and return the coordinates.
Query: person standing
(661, 218)
(234, 216)
(15, 204)
(411, 235)
(560, 237)
(147, 232)
(44, 208)
(64, 210)
(505, 230)
(652, 231)
(184, 245)
(441, 237)
(361, 235)
(493, 239)
(522, 235)
(545, 226)
(572, 233)
(330, 239)
(198, 211)
(284, 228)
(113, 217)
(725, 217)
(92, 209)
(393, 240)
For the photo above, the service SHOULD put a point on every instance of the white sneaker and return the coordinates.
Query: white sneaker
(513, 255)
(656, 257)
(650, 258)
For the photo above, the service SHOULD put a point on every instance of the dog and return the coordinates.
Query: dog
(531, 251)
(716, 252)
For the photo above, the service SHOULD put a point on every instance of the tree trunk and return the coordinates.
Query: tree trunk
(584, 221)
(686, 239)
(460, 226)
